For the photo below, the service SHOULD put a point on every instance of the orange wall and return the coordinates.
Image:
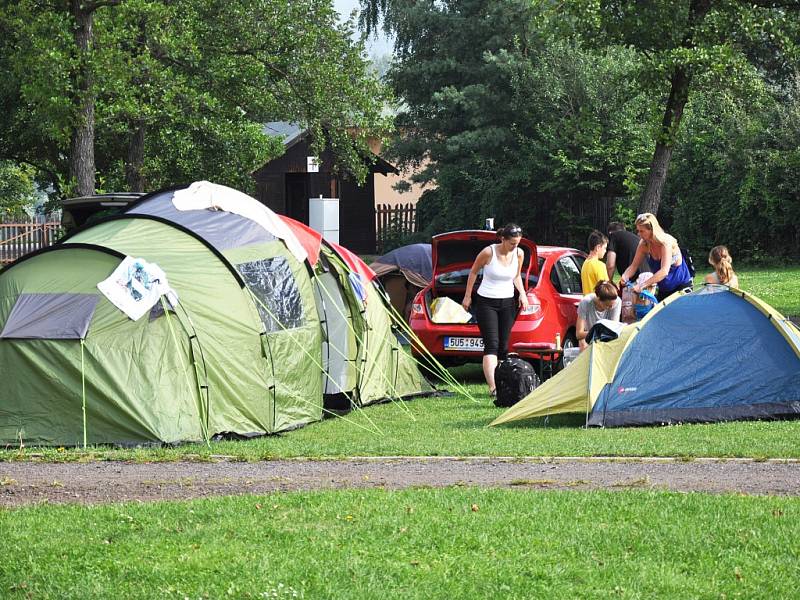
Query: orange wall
(384, 184)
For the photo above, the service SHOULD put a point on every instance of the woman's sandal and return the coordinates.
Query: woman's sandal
(493, 392)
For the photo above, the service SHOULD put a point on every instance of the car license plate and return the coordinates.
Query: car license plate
(464, 344)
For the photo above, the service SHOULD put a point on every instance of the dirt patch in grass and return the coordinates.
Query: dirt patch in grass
(102, 482)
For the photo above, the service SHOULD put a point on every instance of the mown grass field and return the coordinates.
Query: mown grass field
(449, 543)
(779, 287)
(457, 426)
(428, 543)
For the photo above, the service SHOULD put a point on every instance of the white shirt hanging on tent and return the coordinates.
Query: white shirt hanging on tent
(204, 195)
(135, 286)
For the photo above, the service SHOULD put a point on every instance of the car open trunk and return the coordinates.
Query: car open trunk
(452, 255)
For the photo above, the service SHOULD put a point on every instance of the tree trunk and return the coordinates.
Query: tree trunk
(82, 166)
(673, 113)
(133, 166)
(678, 96)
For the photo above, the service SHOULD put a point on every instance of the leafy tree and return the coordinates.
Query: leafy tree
(511, 122)
(736, 174)
(17, 188)
(174, 90)
(684, 46)
(688, 43)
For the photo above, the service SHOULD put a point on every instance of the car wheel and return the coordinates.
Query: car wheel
(570, 341)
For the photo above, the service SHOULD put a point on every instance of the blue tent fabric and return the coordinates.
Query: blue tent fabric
(703, 358)
(414, 259)
(223, 230)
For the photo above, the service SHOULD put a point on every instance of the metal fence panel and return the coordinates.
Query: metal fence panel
(21, 237)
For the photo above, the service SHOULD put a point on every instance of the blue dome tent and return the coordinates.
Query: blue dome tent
(718, 354)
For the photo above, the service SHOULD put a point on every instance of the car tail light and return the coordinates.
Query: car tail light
(418, 306)
(534, 308)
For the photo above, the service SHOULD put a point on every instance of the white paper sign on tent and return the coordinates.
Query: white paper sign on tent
(135, 286)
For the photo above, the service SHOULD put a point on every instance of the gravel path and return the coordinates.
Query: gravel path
(100, 482)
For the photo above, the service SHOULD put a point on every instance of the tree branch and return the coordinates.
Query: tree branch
(93, 6)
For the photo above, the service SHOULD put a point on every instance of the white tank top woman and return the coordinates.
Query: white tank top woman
(498, 279)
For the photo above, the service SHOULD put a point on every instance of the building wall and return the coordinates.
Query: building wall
(284, 185)
(384, 184)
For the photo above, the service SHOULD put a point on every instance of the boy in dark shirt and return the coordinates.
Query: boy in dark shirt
(622, 246)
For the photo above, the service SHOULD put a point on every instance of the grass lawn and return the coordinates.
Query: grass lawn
(456, 426)
(779, 287)
(443, 543)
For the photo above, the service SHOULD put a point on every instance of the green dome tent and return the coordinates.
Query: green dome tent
(240, 352)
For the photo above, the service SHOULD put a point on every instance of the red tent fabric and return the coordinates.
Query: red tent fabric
(308, 238)
(311, 240)
(354, 262)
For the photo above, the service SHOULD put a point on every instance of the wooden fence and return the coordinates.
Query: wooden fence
(393, 223)
(19, 237)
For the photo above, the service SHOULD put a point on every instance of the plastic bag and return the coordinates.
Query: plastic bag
(627, 314)
(447, 310)
(644, 304)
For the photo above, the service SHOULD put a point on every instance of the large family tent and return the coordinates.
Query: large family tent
(239, 353)
(360, 346)
(243, 343)
(717, 354)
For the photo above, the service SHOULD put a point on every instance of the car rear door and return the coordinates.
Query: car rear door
(566, 279)
(457, 250)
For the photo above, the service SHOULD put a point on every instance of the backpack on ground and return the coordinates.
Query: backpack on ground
(514, 379)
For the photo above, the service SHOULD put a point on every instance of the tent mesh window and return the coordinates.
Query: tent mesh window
(273, 283)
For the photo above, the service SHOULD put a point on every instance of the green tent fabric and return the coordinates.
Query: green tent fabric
(216, 365)
(241, 353)
(343, 328)
(377, 366)
(387, 369)
(382, 367)
(42, 400)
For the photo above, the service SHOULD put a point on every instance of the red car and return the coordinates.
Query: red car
(551, 277)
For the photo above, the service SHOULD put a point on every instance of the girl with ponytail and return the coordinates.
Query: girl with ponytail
(721, 260)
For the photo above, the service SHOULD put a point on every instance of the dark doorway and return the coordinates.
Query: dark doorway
(297, 196)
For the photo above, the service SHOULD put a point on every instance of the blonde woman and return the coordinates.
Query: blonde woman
(721, 260)
(663, 259)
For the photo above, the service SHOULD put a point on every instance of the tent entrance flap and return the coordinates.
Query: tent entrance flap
(338, 346)
(50, 316)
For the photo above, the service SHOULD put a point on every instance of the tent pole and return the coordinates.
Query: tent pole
(589, 386)
(83, 394)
